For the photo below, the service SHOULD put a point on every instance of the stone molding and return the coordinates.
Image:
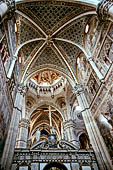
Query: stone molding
(103, 9)
(69, 124)
(24, 123)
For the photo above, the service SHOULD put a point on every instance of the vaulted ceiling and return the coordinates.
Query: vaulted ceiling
(51, 34)
(40, 119)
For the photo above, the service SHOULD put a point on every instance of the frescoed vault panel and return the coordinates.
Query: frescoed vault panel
(48, 57)
(74, 32)
(27, 31)
(70, 50)
(27, 49)
(51, 15)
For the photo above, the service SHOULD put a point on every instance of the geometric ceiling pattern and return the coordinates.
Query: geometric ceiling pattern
(52, 32)
(51, 15)
(28, 31)
(48, 57)
(74, 31)
(70, 51)
(30, 49)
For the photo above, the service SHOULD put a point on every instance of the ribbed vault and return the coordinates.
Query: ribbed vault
(51, 33)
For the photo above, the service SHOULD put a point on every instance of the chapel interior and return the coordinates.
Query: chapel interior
(56, 84)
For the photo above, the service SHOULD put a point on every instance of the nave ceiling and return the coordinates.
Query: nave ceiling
(51, 35)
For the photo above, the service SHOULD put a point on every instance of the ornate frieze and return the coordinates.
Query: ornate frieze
(45, 156)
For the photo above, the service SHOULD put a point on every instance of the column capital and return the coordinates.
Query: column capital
(69, 123)
(103, 9)
(24, 123)
(21, 89)
(78, 88)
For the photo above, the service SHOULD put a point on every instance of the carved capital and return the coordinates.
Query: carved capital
(103, 9)
(22, 89)
(69, 124)
(24, 123)
(78, 89)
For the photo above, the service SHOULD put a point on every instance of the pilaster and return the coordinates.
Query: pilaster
(23, 132)
(13, 129)
(69, 129)
(93, 132)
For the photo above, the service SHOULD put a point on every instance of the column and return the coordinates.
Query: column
(50, 119)
(8, 152)
(24, 107)
(5, 6)
(93, 132)
(62, 131)
(38, 91)
(52, 92)
(105, 9)
(23, 133)
(12, 67)
(69, 128)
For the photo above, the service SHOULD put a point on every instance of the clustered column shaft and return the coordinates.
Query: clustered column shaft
(93, 131)
(69, 127)
(105, 10)
(23, 132)
(13, 130)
